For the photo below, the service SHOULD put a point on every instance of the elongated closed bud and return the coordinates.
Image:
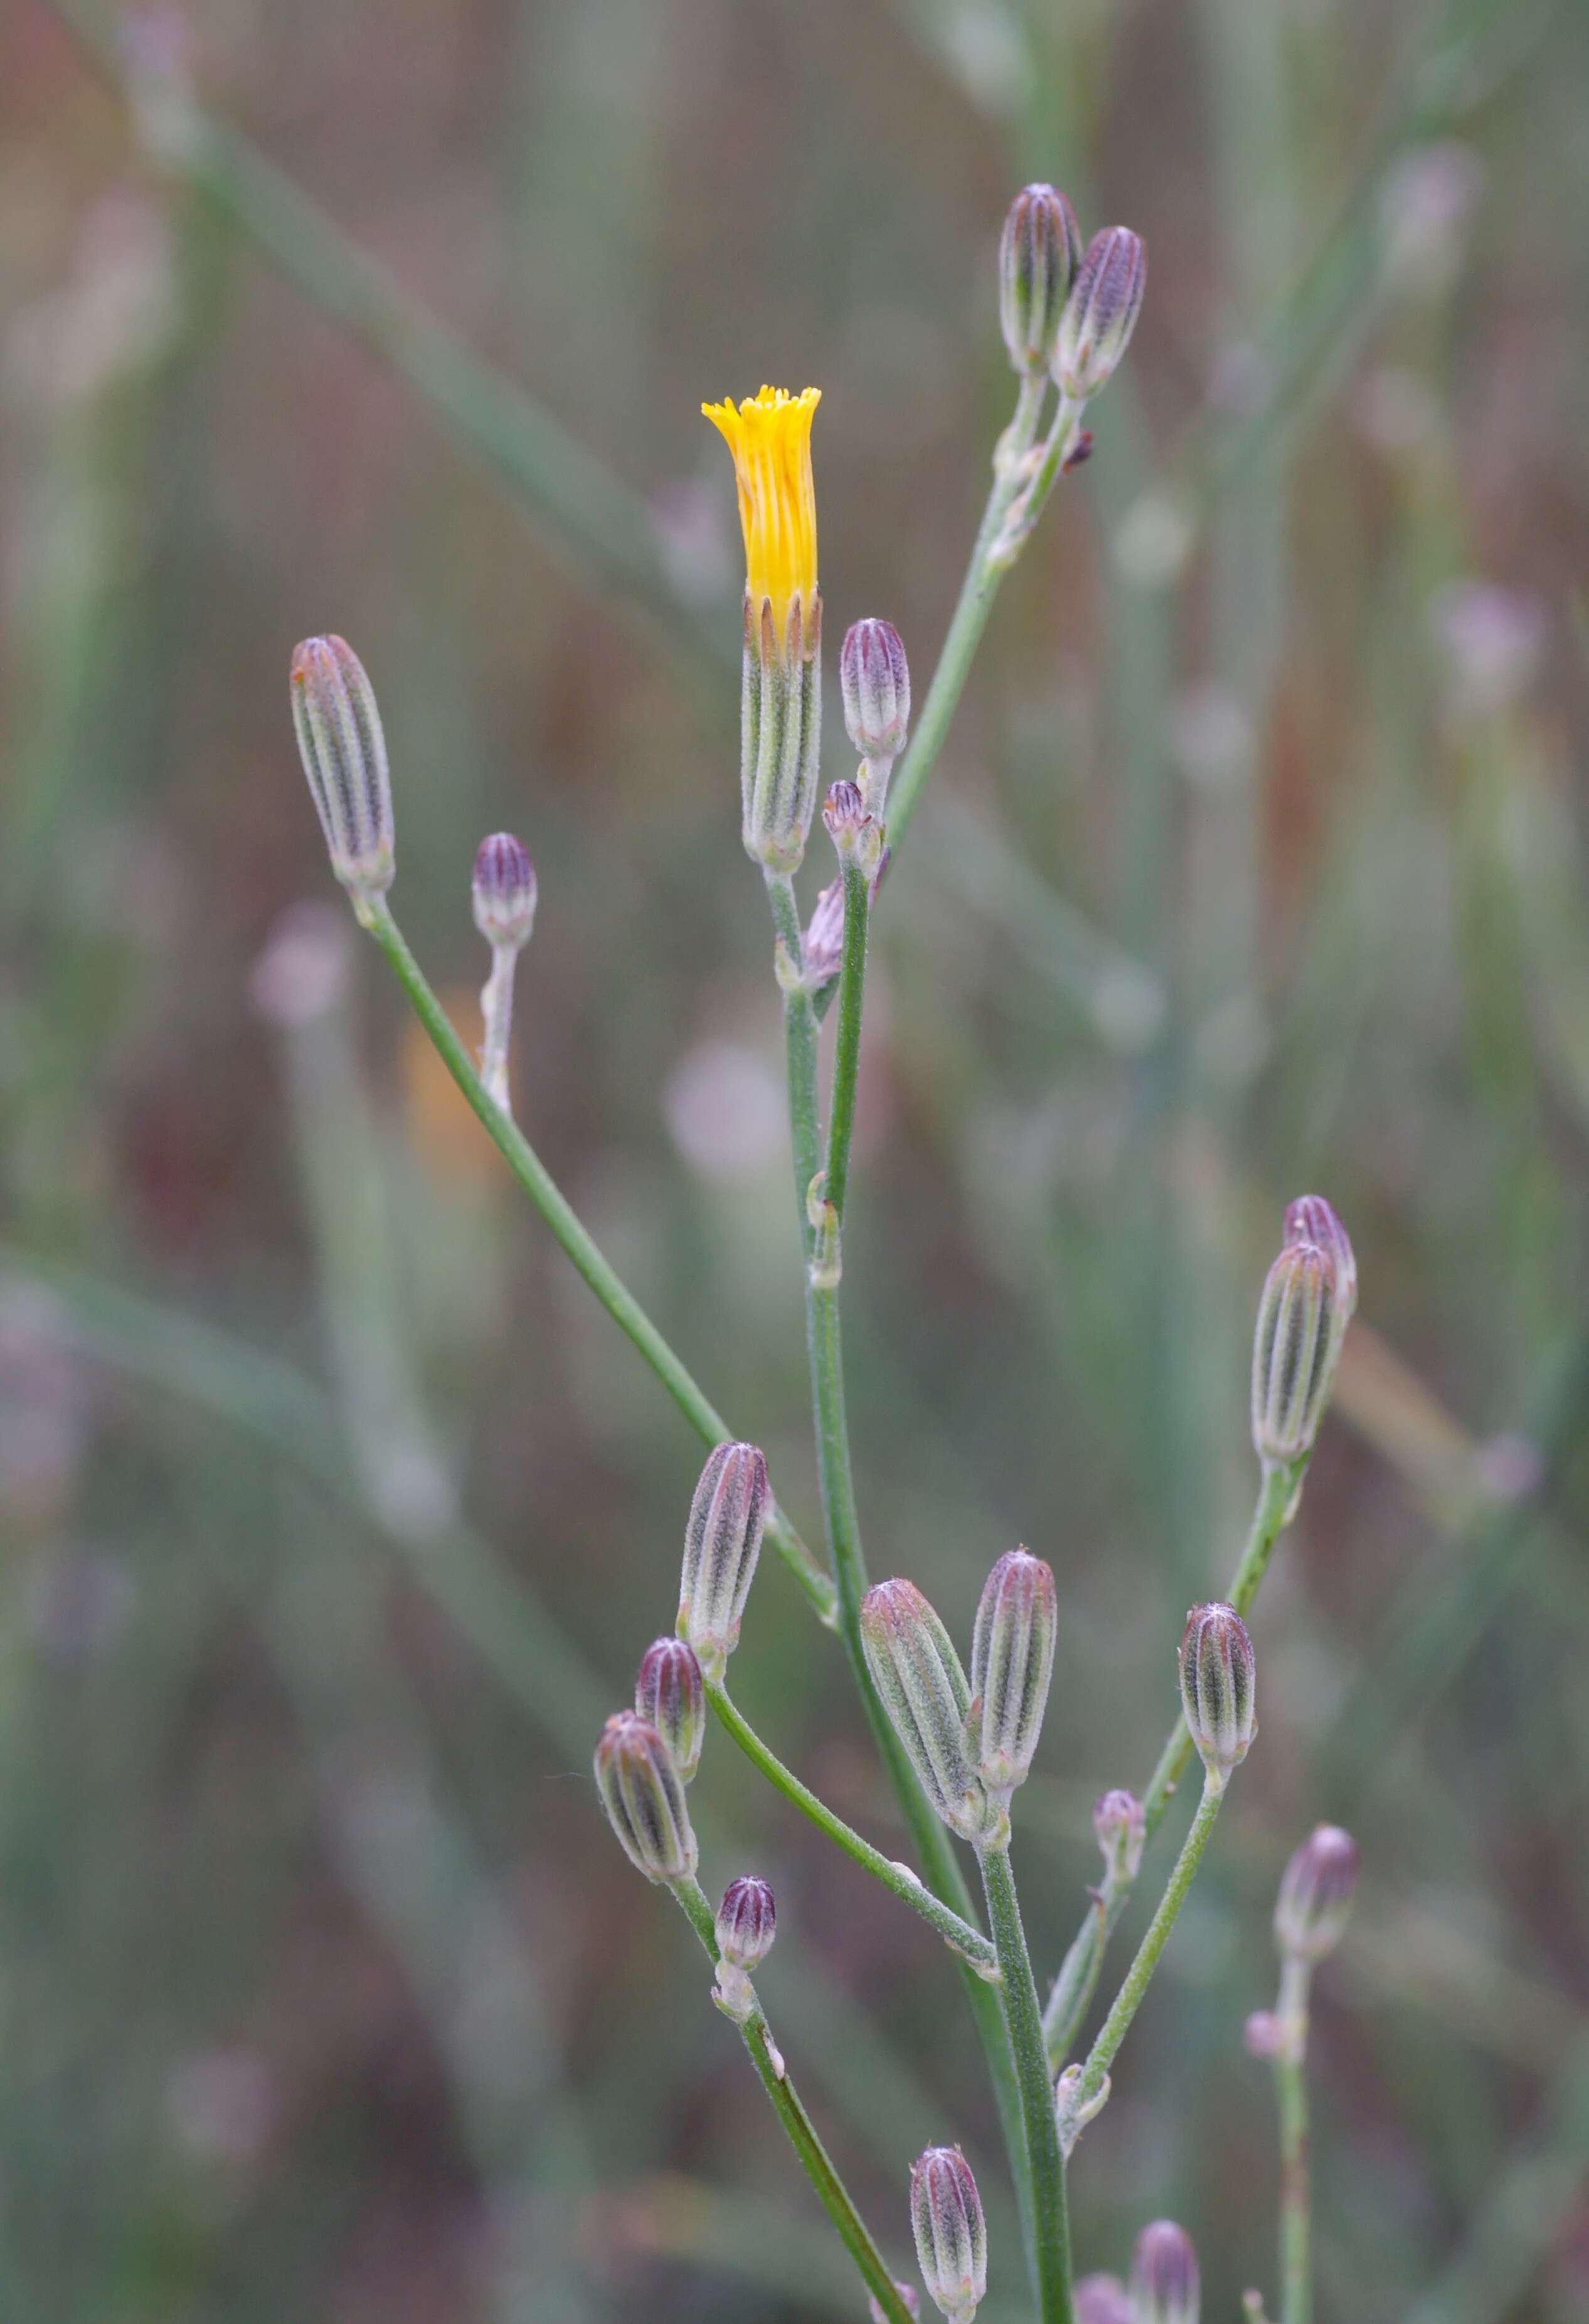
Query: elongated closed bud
(344, 754)
(1217, 1688)
(1311, 1219)
(874, 679)
(951, 2235)
(1165, 2288)
(1012, 1663)
(1101, 2299)
(668, 1692)
(722, 1542)
(1294, 1351)
(1039, 253)
(1101, 311)
(1122, 1828)
(644, 1796)
(1316, 1892)
(919, 1676)
(504, 891)
(746, 1922)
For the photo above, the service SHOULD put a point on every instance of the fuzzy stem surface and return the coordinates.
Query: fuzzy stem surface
(1039, 2130)
(1290, 2089)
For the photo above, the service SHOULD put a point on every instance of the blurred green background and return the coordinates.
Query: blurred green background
(337, 1515)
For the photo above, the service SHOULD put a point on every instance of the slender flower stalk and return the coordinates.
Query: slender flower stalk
(897, 1879)
(536, 1181)
(504, 900)
(799, 2128)
(1023, 2017)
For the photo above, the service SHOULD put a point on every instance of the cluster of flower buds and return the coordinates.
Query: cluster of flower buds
(1012, 1664)
(1217, 1688)
(643, 1794)
(722, 1541)
(669, 1692)
(746, 1924)
(1063, 309)
(1315, 1894)
(1307, 1301)
(874, 679)
(343, 754)
(951, 2235)
(1165, 2288)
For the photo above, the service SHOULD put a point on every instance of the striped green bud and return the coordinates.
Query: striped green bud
(780, 729)
(344, 754)
(1217, 1688)
(504, 891)
(951, 2233)
(1012, 1663)
(919, 1676)
(668, 1692)
(1294, 1351)
(1039, 253)
(1101, 311)
(643, 1794)
(722, 1542)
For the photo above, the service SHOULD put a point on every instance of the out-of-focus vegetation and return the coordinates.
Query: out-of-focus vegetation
(335, 1514)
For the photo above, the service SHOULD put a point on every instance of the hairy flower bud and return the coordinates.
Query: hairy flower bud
(1121, 1826)
(874, 678)
(669, 1693)
(1101, 2299)
(951, 2237)
(504, 891)
(722, 1542)
(918, 1674)
(1316, 1892)
(344, 754)
(852, 830)
(1294, 1351)
(746, 1922)
(644, 1796)
(1012, 1663)
(1311, 1219)
(1164, 2276)
(1039, 253)
(1101, 311)
(1217, 1688)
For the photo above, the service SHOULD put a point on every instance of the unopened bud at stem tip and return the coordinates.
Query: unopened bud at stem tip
(644, 1796)
(722, 1541)
(1315, 1894)
(1100, 313)
(1165, 2288)
(1012, 1664)
(874, 679)
(1217, 1688)
(669, 1692)
(343, 754)
(504, 891)
(924, 1689)
(950, 2235)
(1039, 252)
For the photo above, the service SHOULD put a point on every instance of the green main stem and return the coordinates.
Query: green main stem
(1024, 2017)
(1077, 1979)
(1128, 2000)
(538, 1182)
(801, 2131)
(940, 1865)
(970, 1942)
(1290, 2089)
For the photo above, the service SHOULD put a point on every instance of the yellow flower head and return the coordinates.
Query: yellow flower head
(769, 435)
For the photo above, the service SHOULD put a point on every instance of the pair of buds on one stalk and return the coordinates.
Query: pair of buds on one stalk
(952, 2250)
(1063, 309)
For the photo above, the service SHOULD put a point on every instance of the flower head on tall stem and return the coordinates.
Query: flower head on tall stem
(1218, 1690)
(343, 753)
(951, 2237)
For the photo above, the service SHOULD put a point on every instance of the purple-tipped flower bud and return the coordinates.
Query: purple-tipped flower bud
(851, 828)
(1012, 1663)
(1101, 311)
(344, 754)
(504, 891)
(1217, 1688)
(919, 1676)
(1121, 1824)
(1294, 1352)
(1311, 1219)
(1039, 253)
(668, 1692)
(1316, 1892)
(874, 678)
(644, 1797)
(746, 1923)
(1101, 2299)
(1164, 2276)
(907, 2294)
(951, 2237)
(722, 1542)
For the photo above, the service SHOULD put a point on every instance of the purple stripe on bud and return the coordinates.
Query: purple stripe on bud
(669, 1692)
(746, 1923)
(344, 754)
(951, 2237)
(1039, 252)
(1217, 1688)
(504, 891)
(1012, 1663)
(644, 1796)
(1165, 2288)
(722, 1541)
(874, 679)
(1294, 1351)
(919, 1676)
(1101, 311)
(1316, 1892)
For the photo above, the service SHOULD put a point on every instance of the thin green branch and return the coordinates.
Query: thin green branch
(857, 909)
(968, 1942)
(1024, 2018)
(538, 1183)
(1290, 2089)
(1128, 2000)
(769, 2062)
(1077, 1979)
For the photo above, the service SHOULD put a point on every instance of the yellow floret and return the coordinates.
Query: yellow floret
(769, 435)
